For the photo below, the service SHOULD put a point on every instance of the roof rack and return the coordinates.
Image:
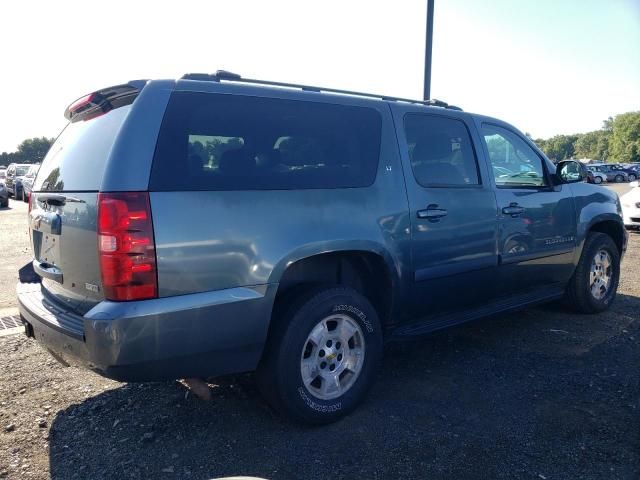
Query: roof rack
(223, 75)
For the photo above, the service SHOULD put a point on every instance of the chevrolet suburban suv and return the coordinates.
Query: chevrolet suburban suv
(214, 224)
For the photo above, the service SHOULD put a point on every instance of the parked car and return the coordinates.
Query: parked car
(595, 176)
(307, 227)
(631, 206)
(612, 174)
(13, 181)
(27, 181)
(632, 174)
(4, 195)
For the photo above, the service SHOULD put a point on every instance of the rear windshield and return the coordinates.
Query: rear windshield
(234, 142)
(21, 170)
(77, 159)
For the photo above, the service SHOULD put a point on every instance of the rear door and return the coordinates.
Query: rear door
(62, 219)
(452, 211)
(537, 228)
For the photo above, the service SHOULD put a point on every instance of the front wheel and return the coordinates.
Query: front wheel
(322, 355)
(594, 284)
(597, 180)
(632, 177)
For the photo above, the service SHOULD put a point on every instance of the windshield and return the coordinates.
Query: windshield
(21, 170)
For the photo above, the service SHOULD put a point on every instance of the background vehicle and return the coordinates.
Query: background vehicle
(612, 174)
(27, 181)
(12, 181)
(3, 174)
(305, 229)
(631, 206)
(595, 176)
(632, 173)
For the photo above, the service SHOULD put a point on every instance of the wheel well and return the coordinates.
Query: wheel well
(366, 272)
(611, 228)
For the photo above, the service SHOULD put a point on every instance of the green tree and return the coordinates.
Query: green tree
(559, 147)
(33, 150)
(625, 138)
(593, 145)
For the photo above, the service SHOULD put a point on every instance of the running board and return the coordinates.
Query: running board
(431, 324)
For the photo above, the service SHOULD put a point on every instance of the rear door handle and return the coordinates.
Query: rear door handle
(432, 212)
(513, 209)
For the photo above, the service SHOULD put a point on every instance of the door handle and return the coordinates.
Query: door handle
(513, 209)
(432, 212)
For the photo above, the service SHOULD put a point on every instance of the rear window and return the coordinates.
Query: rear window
(21, 170)
(77, 159)
(232, 142)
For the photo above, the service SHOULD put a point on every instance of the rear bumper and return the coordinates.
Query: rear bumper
(198, 335)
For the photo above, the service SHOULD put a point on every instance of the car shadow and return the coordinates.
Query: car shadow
(522, 395)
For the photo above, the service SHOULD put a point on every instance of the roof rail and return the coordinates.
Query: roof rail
(223, 75)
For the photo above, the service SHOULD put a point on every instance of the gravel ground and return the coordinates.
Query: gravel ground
(540, 394)
(14, 252)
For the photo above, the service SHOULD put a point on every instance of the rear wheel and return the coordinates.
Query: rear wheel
(619, 178)
(5, 203)
(594, 284)
(632, 177)
(322, 355)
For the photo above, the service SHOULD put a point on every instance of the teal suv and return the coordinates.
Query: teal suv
(215, 224)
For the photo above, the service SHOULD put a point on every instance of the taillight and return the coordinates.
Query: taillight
(126, 246)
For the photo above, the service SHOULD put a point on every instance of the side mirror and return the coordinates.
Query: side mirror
(635, 184)
(570, 171)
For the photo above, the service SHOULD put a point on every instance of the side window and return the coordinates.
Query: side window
(235, 142)
(441, 151)
(514, 163)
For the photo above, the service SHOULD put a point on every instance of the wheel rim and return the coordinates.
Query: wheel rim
(619, 178)
(597, 180)
(600, 274)
(332, 357)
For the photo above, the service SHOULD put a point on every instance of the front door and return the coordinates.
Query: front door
(537, 228)
(453, 214)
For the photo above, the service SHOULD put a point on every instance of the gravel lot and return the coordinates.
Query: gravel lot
(540, 394)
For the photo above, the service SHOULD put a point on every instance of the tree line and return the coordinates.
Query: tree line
(618, 141)
(31, 150)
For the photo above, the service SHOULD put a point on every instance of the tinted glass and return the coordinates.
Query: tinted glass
(21, 170)
(232, 142)
(513, 161)
(77, 159)
(440, 150)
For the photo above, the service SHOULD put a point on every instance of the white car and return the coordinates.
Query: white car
(631, 206)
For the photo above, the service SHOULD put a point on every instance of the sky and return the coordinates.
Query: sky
(547, 66)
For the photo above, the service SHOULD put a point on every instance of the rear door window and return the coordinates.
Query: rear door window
(441, 151)
(77, 159)
(233, 142)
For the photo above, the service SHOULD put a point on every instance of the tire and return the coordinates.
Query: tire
(619, 179)
(580, 293)
(632, 177)
(302, 334)
(5, 204)
(597, 180)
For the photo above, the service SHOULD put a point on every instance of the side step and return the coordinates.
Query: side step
(431, 324)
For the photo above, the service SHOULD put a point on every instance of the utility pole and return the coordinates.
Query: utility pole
(427, 51)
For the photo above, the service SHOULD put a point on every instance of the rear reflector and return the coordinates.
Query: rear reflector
(126, 246)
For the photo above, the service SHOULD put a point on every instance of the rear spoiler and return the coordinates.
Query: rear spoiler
(102, 101)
